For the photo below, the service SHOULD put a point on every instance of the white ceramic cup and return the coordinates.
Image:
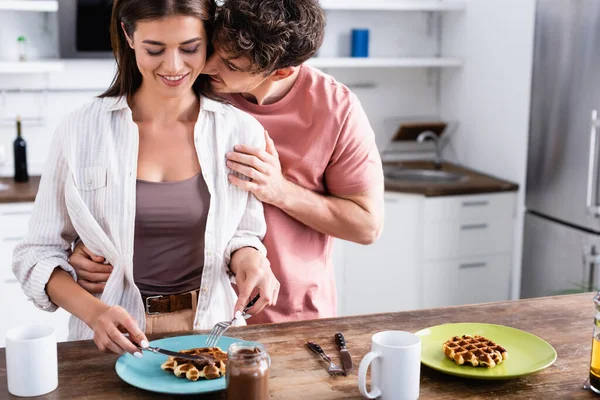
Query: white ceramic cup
(31, 360)
(395, 368)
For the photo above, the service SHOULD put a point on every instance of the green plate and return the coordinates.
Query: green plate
(527, 353)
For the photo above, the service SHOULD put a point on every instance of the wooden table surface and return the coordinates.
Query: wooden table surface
(564, 321)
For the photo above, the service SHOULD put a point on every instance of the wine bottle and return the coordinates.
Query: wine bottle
(20, 155)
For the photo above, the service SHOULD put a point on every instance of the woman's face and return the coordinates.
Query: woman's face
(170, 53)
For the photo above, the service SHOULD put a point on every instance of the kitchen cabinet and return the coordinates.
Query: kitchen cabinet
(385, 276)
(433, 252)
(467, 249)
(15, 309)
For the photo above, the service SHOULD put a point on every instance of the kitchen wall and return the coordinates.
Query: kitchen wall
(490, 94)
(386, 94)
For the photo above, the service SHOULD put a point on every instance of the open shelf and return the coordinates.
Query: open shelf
(29, 5)
(393, 5)
(29, 67)
(384, 62)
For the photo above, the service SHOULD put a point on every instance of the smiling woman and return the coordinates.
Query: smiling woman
(167, 52)
(139, 176)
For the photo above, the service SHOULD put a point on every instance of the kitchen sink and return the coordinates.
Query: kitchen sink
(423, 175)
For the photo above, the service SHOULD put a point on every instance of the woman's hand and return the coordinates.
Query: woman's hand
(109, 326)
(253, 271)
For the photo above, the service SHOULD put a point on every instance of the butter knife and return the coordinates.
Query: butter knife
(344, 353)
(177, 354)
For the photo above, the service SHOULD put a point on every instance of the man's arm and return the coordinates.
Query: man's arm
(357, 218)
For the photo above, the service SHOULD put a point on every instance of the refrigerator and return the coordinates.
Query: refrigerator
(561, 248)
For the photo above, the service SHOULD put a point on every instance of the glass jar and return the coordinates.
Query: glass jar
(247, 372)
(595, 358)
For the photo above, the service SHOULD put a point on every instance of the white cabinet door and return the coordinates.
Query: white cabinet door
(470, 208)
(458, 239)
(467, 281)
(15, 309)
(339, 271)
(385, 276)
(14, 220)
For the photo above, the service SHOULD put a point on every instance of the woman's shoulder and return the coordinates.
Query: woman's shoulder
(92, 112)
(242, 127)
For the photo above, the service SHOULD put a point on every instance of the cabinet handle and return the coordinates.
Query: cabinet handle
(12, 239)
(475, 203)
(11, 281)
(390, 200)
(473, 265)
(473, 226)
(8, 213)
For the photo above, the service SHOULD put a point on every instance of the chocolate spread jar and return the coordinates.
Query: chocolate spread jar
(247, 372)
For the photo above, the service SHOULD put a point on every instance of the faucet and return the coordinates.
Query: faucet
(437, 162)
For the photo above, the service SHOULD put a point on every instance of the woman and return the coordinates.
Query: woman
(139, 176)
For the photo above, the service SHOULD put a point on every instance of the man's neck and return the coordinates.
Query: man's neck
(270, 92)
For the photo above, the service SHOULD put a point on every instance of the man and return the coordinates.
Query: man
(320, 175)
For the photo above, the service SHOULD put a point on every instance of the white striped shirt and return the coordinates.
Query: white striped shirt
(88, 189)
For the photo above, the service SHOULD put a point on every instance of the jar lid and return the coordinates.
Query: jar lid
(246, 351)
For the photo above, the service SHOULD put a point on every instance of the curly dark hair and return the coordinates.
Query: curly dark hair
(273, 34)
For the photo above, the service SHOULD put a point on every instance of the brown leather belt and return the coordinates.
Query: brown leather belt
(168, 303)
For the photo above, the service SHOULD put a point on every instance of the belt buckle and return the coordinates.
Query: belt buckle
(148, 304)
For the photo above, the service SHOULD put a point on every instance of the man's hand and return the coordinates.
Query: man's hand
(253, 272)
(263, 168)
(92, 274)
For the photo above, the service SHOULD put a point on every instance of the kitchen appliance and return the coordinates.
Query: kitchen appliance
(561, 249)
(84, 28)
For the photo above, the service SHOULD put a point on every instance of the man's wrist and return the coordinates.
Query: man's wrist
(287, 193)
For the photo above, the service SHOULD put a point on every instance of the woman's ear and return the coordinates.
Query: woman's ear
(129, 40)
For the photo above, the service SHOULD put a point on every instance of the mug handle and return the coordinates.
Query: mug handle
(362, 376)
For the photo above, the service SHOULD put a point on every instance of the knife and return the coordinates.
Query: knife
(344, 353)
(177, 354)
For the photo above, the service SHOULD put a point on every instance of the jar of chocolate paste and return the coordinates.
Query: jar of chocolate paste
(247, 372)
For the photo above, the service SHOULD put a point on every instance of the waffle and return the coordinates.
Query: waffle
(475, 350)
(211, 368)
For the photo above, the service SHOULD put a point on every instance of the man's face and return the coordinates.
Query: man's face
(230, 75)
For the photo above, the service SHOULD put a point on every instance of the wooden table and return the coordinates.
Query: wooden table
(564, 321)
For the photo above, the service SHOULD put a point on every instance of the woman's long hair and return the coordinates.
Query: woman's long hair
(128, 77)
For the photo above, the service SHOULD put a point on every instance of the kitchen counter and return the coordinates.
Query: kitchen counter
(296, 373)
(477, 182)
(18, 192)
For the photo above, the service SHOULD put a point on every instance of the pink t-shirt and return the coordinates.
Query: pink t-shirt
(325, 144)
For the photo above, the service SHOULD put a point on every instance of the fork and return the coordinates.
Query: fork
(332, 369)
(219, 329)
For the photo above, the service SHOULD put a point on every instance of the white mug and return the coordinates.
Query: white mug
(396, 369)
(31, 361)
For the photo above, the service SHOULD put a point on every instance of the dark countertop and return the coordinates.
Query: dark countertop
(477, 182)
(18, 192)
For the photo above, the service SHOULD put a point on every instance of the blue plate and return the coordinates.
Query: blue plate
(145, 373)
